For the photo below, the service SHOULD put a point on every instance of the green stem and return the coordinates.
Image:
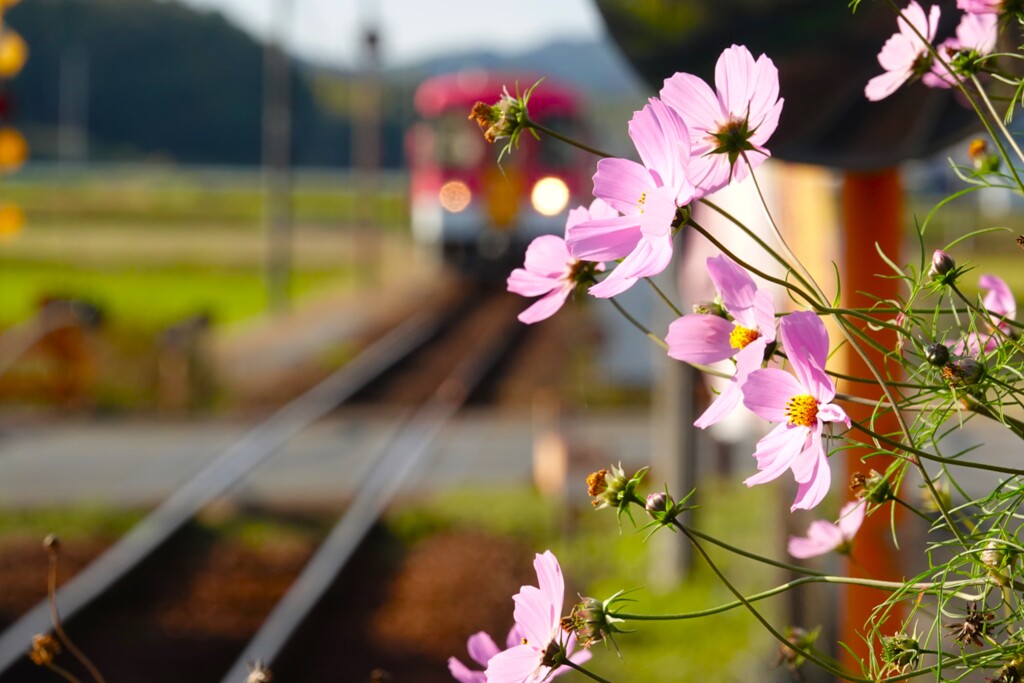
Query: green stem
(889, 586)
(753, 556)
(757, 238)
(1013, 424)
(638, 325)
(749, 268)
(577, 667)
(988, 317)
(668, 302)
(806, 654)
(931, 456)
(913, 509)
(530, 123)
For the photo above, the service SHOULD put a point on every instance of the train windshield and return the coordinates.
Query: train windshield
(457, 143)
(554, 153)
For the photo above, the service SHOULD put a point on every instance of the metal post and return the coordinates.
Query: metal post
(277, 152)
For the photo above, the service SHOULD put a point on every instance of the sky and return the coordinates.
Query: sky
(328, 31)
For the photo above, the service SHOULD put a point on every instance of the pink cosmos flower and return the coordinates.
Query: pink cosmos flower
(824, 537)
(980, 6)
(1002, 306)
(481, 648)
(701, 338)
(802, 405)
(538, 615)
(904, 55)
(647, 195)
(738, 119)
(976, 34)
(550, 271)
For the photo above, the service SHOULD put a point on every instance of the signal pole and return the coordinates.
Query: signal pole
(277, 158)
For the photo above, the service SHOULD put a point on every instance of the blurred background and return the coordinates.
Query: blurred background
(252, 255)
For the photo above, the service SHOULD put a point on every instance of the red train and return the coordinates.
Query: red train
(463, 203)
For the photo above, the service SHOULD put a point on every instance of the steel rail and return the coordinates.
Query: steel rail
(238, 460)
(412, 442)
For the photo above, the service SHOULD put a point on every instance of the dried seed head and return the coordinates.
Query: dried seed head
(259, 673)
(45, 649)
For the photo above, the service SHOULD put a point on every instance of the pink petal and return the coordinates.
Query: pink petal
(649, 258)
(604, 239)
(548, 255)
(766, 392)
(883, 85)
(533, 614)
(815, 488)
(830, 412)
(721, 407)
(552, 585)
(616, 283)
(514, 637)
(735, 79)
(765, 105)
(805, 465)
(733, 283)
(748, 359)
(525, 283)
(547, 305)
(700, 338)
(764, 315)
(463, 674)
(578, 215)
(806, 342)
(776, 452)
(621, 183)
(481, 648)
(658, 214)
(698, 106)
(999, 301)
(514, 665)
(822, 537)
(663, 142)
(978, 32)
(602, 209)
(851, 516)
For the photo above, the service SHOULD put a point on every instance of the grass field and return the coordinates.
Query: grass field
(154, 245)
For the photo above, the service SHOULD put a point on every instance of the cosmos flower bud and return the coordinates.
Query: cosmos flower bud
(592, 620)
(993, 554)
(613, 488)
(709, 308)
(937, 354)
(983, 159)
(901, 652)
(657, 502)
(942, 265)
(872, 487)
(1010, 673)
(799, 641)
(497, 120)
(937, 498)
(962, 372)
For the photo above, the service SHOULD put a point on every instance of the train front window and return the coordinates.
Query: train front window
(459, 143)
(555, 154)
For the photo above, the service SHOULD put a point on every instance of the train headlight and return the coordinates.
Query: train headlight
(454, 195)
(549, 196)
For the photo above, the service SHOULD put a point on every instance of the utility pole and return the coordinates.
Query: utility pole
(277, 158)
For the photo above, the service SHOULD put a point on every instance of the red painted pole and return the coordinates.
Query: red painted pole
(872, 209)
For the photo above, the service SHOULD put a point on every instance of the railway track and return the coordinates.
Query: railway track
(431, 365)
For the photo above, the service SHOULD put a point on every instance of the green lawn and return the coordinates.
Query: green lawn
(147, 297)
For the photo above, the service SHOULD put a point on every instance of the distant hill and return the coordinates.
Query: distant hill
(155, 79)
(594, 66)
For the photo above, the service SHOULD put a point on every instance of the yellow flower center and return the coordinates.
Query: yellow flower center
(802, 410)
(643, 200)
(741, 336)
